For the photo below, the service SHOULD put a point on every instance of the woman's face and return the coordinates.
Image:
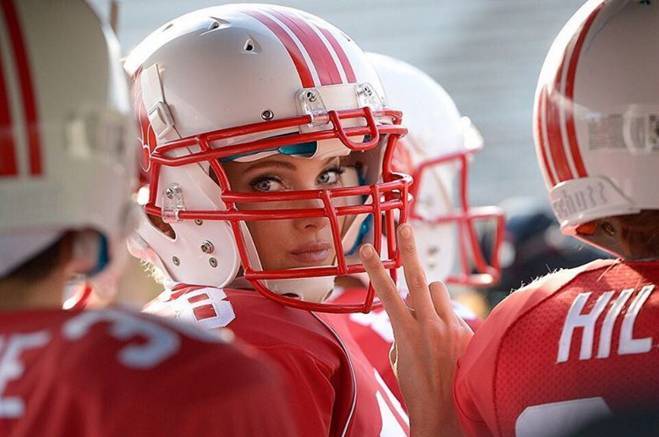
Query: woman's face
(291, 243)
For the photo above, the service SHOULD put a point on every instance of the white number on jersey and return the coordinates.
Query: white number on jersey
(559, 418)
(12, 368)
(161, 342)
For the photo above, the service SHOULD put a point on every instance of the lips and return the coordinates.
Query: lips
(312, 253)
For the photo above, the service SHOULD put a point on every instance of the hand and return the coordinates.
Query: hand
(429, 339)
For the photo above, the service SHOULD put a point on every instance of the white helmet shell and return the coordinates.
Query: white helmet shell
(66, 159)
(596, 118)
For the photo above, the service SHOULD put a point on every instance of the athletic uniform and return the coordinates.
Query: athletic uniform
(116, 373)
(570, 346)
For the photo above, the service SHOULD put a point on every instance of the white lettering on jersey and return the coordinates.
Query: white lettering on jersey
(576, 320)
(627, 343)
(559, 418)
(161, 343)
(607, 327)
(12, 368)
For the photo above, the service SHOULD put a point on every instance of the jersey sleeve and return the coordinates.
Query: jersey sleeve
(308, 388)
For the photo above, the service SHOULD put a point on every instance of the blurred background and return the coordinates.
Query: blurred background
(486, 53)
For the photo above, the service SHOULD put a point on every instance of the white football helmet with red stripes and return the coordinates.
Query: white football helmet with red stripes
(437, 152)
(596, 118)
(242, 82)
(65, 128)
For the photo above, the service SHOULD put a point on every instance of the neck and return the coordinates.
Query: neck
(21, 295)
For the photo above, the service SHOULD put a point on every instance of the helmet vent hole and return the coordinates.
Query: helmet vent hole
(250, 46)
(167, 27)
(216, 24)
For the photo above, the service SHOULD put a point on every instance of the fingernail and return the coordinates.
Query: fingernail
(405, 231)
(366, 251)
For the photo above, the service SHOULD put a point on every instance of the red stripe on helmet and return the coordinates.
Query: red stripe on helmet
(27, 90)
(554, 133)
(7, 148)
(327, 70)
(540, 132)
(569, 92)
(293, 51)
(341, 54)
(146, 136)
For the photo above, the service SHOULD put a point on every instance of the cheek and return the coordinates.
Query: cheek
(270, 239)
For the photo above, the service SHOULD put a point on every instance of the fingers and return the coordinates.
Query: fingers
(441, 301)
(384, 286)
(415, 275)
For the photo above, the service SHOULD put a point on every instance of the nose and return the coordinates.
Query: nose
(311, 224)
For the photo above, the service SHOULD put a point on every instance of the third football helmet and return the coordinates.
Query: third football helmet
(437, 152)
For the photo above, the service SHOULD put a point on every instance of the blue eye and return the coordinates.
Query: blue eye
(330, 176)
(265, 184)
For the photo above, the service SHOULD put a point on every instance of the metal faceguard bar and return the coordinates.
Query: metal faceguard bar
(486, 274)
(394, 189)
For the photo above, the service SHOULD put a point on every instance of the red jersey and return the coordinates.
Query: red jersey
(373, 333)
(576, 344)
(333, 389)
(117, 373)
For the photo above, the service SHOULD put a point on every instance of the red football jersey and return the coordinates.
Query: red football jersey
(576, 344)
(333, 389)
(118, 373)
(374, 335)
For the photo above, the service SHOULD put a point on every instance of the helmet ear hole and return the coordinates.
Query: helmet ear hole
(163, 227)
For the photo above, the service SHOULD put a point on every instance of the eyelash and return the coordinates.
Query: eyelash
(339, 170)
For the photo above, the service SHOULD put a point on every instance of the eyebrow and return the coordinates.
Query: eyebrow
(280, 164)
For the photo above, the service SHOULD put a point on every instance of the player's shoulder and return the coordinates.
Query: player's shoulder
(206, 307)
(542, 288)
(522, 303)
(255, 319)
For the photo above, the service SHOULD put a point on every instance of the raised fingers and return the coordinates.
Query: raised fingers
(384, 286)
(415, 275)
(441, 301)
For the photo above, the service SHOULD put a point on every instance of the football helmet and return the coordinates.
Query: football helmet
(596, 114)
(244, 82)
(437, 152)
(65, 160)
